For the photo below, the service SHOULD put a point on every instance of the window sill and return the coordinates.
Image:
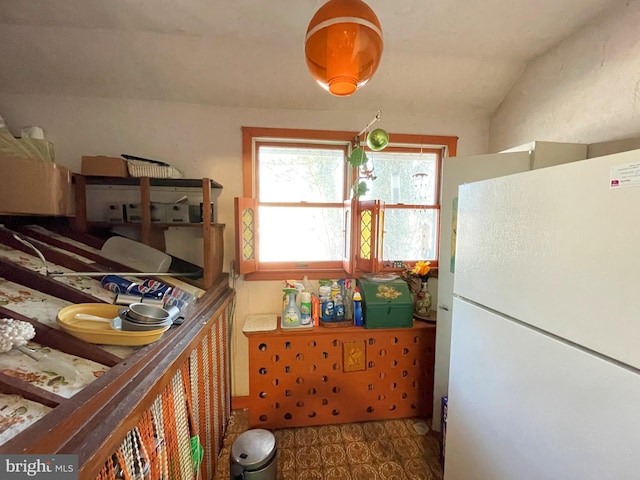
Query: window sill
(312, 274)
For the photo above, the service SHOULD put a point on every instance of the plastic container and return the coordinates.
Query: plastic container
(136, 255)
(315, 310)
(338, 308)
(149, 288)
(357, 309)
(348, 300)
(308, 286)
(335, 290)
(327, 306)
(305, 308)
(291, 315)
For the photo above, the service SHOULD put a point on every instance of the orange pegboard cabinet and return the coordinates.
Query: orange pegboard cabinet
(338, 375)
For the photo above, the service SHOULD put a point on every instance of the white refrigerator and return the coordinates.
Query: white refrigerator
(545, 352)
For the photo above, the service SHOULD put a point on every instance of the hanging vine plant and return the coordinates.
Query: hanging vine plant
(358, 157)
(360, 188)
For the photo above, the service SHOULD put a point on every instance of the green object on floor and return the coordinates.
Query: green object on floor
(197, 453)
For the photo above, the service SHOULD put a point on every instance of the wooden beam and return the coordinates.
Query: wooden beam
(14, 386)
(35, 280)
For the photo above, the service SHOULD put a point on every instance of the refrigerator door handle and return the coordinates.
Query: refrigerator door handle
(443, 307)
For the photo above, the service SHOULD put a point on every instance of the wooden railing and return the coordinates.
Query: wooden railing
(153, 410)
(160, 413)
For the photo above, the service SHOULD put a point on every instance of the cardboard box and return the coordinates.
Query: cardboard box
(101, 166)
(35, 187)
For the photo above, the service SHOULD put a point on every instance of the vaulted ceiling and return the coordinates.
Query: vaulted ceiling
(456, 53)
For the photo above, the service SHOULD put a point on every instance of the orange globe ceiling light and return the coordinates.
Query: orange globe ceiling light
(343, 46)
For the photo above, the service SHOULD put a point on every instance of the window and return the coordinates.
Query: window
(298, 216)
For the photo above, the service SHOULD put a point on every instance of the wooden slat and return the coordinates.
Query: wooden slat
(102, 262)
(155, 182)
(81, 237)
(36, 281)
(61, 340)
(80, 220)
(145, 210)
(52, 256)
(15, 386)
(206, 233)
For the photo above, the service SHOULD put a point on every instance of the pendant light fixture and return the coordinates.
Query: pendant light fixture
(343, 46)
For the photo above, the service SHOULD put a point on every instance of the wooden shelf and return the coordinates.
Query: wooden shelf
(212, 233)
(154, 182)
(153, 224)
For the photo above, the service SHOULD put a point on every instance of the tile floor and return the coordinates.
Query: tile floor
(380, 450)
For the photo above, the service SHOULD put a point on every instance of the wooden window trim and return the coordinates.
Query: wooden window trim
(446, 146)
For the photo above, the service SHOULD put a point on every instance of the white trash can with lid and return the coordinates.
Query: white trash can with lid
(254, 456)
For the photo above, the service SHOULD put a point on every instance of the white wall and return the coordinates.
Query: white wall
(585, 90)
(204, 140)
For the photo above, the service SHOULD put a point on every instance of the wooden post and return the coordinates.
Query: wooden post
(145, 209)
(80, 222)
(206, 233)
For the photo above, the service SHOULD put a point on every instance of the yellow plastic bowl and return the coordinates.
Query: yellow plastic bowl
(92, 331)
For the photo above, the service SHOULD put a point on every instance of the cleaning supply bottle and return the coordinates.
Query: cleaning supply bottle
(338, 307)
(305, 307)
(357, 309)
(308, 286)
(335, 290)
(348, 300)
(327, 311)
(291, 313)
(300, 287)
(315, 310)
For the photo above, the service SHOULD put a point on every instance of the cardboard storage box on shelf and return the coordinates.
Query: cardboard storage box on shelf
(102, 166)
(35, 187)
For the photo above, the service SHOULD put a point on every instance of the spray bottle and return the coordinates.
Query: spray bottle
(291, 313)
(305, 307)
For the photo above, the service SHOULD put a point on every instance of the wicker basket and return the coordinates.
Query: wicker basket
(139, 168)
